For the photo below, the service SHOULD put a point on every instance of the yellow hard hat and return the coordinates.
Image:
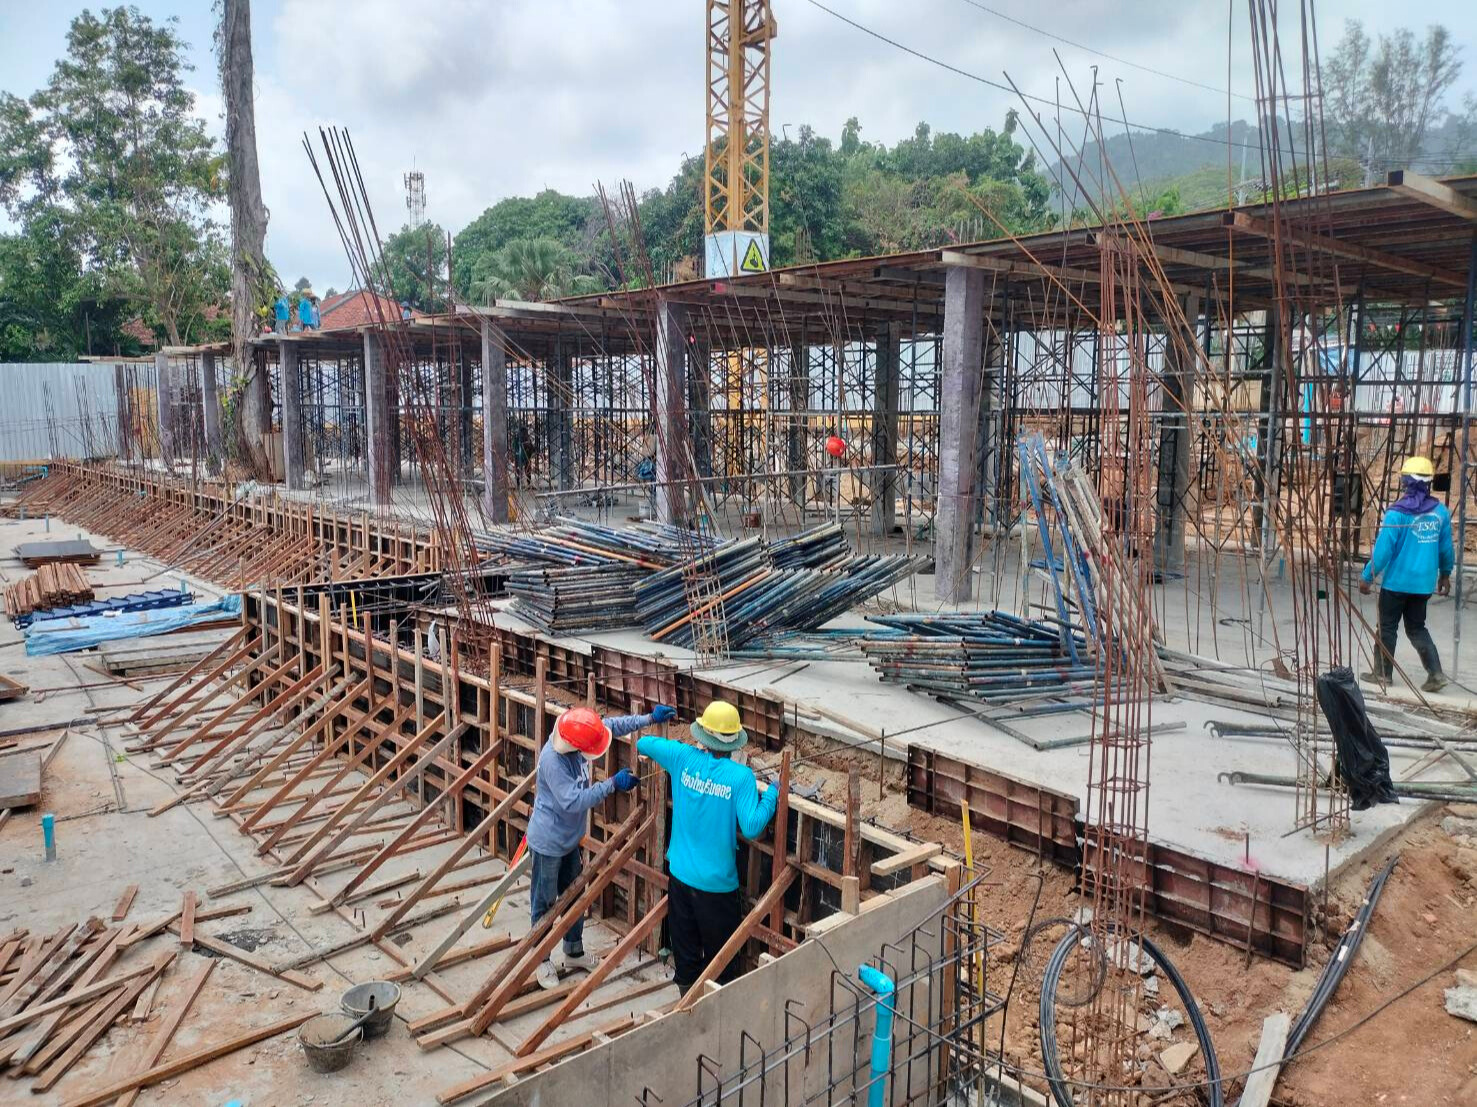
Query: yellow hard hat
(719, 727)
(1418, 467)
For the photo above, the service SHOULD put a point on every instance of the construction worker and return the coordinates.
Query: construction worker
(713, 800)
(307, 310)
(281, 313)
(562, 800)
(1413, 555)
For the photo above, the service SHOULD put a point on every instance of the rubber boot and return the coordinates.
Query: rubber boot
(1435, 682)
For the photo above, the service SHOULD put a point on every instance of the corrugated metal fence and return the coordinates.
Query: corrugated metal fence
(57, 409)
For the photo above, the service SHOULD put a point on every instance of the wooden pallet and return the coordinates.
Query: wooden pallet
(165, 653)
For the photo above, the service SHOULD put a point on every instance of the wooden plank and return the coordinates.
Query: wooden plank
(184, 1063)
(485, 1080)
(425, 815)
(79, 995)
(187, 920)
(623, 949)
(774, 894)
(915, 855)
(470, 919)
(148, 930)
(167, 1028)
(125, 901)
(1251, 224)
(56, 1065)
(1442, 197)
(781, 837)
(20, 780)
(1268, 1063)
(251, 960)
(537, 943)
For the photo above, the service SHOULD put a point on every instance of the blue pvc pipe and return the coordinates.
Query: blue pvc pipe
(882, 985)
(48, 835)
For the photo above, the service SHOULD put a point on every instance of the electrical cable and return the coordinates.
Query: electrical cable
(1104, 53)
(1060, 1086)
(1221, 143)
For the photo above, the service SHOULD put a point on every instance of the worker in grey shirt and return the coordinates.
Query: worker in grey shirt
(563, 796)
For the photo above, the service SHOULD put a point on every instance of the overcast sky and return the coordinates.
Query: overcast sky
(504, 97)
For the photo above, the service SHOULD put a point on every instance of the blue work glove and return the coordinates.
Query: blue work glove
(661, 713)
(625, 780)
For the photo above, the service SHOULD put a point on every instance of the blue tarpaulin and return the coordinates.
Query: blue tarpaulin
(69, 635)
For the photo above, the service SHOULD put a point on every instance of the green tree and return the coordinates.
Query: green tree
(416, 260)
(1383, 97)
(111, 141)
(531, 269)
(568, 220)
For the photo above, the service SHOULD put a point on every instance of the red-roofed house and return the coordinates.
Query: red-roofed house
(355, 308)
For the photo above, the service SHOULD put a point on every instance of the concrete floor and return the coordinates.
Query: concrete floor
(100, 796)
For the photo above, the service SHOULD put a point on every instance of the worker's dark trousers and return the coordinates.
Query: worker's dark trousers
(1410, 606)
(551, 877)
(698, 923)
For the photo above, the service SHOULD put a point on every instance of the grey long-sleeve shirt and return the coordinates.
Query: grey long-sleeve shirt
(564, 794)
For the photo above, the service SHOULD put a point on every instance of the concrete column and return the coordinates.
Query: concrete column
(671, 421)
(1172, 485)
(292, 415)
(799, 402)
(959, 421)
(885, 386)
(379, 428)
(210, 404)
(494, 424)
(992, 444)
(700, 405)
(122, 408)
(466, 434)
(561, 426)
(164, 396)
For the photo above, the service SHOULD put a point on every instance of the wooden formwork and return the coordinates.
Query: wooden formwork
(313, 732)
(232, 539)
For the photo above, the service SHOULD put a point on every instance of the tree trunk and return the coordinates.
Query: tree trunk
(248, 235)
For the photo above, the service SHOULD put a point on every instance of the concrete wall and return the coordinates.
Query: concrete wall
(662, 1055)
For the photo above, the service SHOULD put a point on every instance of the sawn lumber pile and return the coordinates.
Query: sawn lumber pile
(62, 992)
(53, 585)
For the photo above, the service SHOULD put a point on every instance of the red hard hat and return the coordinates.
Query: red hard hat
(835, 446)
(585, 731)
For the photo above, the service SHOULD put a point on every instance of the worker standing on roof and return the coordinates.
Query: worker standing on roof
(713, 800)
(307, 310)
(1413, 554)
(281, 312)
(562, 800)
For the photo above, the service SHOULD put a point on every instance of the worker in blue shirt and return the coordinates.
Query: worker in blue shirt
(281, 312)
(1413, 555)
(307, 310)
(713, 801)
(562, 800)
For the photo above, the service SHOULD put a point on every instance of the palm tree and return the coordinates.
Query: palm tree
(531, 269)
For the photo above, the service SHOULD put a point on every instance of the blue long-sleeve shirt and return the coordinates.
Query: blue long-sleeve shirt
(713, 800)
(1412, 551)
(563, 795)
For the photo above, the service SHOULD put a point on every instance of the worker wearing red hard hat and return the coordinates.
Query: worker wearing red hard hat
(563, 796)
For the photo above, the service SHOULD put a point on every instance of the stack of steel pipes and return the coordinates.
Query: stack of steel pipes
(759, 599)
(817, 548)
(991, 656)
(576, 600)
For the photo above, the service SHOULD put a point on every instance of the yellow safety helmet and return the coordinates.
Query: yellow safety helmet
(1419, 467)
(720, 728)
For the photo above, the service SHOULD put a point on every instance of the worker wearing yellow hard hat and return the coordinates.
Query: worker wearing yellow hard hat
(714, 799)
(1413, 557)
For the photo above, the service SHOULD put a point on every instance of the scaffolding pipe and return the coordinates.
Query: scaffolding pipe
(1463, 465)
